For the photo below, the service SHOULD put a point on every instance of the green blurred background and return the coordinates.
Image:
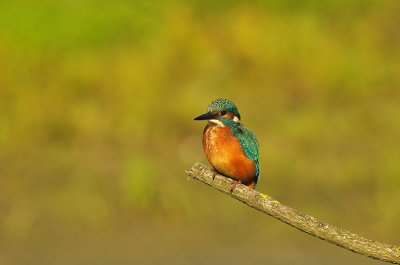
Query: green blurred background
(97, 100)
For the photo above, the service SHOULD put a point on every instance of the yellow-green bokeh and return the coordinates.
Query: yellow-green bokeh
(97, 100)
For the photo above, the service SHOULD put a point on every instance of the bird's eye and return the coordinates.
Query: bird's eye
(223, 112)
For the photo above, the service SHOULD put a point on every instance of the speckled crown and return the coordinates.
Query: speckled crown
(222, 104)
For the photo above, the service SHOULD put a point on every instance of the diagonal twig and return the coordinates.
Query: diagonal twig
(292, 217)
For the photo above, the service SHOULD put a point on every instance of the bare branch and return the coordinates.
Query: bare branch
(292, 217)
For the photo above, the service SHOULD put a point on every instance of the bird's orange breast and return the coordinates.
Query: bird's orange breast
(224, 153)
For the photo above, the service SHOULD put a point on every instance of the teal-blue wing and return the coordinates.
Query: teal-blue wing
(249, 144)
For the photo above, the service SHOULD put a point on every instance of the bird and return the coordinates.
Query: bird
(230, 147)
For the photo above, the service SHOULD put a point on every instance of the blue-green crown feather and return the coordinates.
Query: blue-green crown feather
(222, 104)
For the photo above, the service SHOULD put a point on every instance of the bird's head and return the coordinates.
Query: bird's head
(220, 108)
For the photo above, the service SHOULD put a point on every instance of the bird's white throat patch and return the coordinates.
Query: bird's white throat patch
(217, 122)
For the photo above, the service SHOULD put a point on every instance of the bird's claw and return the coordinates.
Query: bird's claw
(234, 184)
(214, 174)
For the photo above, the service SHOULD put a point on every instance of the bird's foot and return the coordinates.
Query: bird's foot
(214, 174)
(234, 184)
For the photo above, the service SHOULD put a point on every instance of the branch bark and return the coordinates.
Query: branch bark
(292, 217)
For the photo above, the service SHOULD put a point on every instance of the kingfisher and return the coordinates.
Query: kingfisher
(230, 147)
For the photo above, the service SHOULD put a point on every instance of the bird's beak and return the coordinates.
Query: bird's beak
(205, 116)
